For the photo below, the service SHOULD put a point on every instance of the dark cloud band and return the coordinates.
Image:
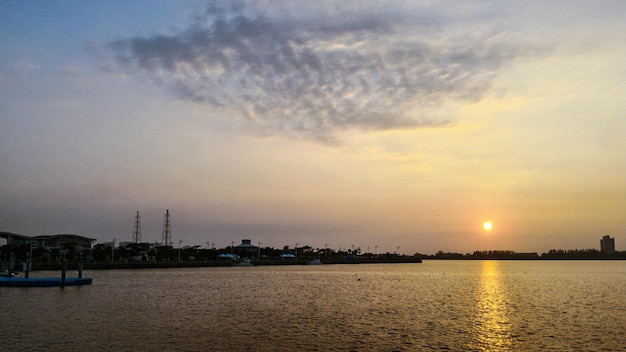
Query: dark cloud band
(310, 77)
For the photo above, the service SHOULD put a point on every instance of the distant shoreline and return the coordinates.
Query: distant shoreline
(166, 265)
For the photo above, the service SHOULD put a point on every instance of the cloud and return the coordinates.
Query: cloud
(310, 72)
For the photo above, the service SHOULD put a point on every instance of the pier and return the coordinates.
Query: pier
(43, 281)
(9, 279)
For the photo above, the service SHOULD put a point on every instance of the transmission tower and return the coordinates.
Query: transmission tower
(167, 234)
(137, 229)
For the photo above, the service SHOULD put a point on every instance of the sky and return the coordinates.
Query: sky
(385, 125)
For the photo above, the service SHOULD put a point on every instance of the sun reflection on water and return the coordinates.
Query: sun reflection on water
(492, 328)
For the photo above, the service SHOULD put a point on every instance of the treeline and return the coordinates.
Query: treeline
(560, 254)
(151, 252)
(145, 252)
(582, 254)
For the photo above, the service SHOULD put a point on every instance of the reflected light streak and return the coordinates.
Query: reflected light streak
(492, 328)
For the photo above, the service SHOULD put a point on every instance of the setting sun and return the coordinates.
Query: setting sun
(487, 225)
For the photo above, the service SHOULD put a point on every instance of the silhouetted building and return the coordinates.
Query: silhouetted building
(607, 244)
(64, 240)
(246, 244)
(47, 241)
(13, 239)
(246, 248)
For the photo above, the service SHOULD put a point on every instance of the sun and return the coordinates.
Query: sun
(487, 225)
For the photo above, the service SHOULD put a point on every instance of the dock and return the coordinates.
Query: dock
(43, 281)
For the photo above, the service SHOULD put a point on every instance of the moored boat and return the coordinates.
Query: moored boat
(245, 262)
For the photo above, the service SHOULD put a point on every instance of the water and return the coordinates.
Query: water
(436, 305)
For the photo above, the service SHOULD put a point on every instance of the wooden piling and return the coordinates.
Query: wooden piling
(64, 268)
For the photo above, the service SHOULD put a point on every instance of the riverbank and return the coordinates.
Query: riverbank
(160, 265)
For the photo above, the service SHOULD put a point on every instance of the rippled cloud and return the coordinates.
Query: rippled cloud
(308, 72)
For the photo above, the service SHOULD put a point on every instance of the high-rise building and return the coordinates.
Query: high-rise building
(607, 244)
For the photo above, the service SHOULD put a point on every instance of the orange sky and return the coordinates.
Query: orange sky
(406, 126)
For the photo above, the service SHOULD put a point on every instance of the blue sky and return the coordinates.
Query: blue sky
(392, 124)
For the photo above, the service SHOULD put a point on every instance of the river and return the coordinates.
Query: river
(436, 305)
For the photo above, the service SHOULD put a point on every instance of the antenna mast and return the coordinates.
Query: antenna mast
(167, 234)
(137, 229)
